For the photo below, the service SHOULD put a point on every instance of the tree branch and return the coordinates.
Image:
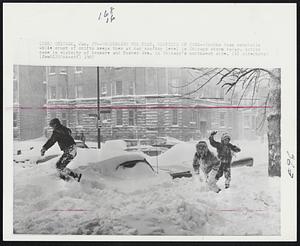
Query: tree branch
(248, 78)
(192, 92)
(202, 75)
(264, 114)
(225, 75)
(254, 87)
(230, 85)
(245, 90)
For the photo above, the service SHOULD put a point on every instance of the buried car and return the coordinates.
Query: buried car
(145, 146)
(120, 165)
(147, 149)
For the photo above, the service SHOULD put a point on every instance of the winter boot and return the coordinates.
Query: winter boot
(212, 182)
(76, 176)
(64, 176)
(227, 184)
(79, 177)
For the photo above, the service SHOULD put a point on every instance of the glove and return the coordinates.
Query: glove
(43, 152)
(214, 133)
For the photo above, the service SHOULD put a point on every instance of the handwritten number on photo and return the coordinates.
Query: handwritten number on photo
(108, 15)
(291, 165)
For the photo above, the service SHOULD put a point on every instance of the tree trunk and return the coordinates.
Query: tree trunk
(274, 117)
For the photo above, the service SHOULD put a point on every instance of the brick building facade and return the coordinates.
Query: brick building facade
(139, 103)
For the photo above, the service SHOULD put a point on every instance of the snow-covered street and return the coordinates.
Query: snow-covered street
(138, 202)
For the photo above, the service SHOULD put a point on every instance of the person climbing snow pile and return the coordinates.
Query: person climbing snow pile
(62, 135)
(224, 149)
(206, 162)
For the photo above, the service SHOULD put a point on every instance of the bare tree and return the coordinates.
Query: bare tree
(248, 79)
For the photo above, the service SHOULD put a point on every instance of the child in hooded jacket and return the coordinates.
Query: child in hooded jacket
(224, 149)
(208, 163)
(62, 135)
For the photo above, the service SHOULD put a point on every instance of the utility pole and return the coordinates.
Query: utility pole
(98, 108)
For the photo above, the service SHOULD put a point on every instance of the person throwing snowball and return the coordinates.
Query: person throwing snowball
(208, 163)
(62, 135)
(224, 149)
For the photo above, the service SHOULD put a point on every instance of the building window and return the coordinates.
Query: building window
(112, 89)
(198, 117)
(52, 70)
(62, 92)
(119, 89)
(174, 117)
(119, 121)
(78, 69)
(78, 117)
(63, 70)
(174, 86)
(222, 119)
(15, 119)
(15, 90)
(79, 91)
(52, 115)
(131, 115)
(64, 119)
(194, 116)
(104, 89)
(52, 92)
(106, 117)
(131, 88)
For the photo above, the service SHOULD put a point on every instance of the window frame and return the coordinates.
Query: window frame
(78, 71)
(104, 89)
(52, 114)
(119, 113)
(51, 73)
(64, 118)
(116, 87)
(51, 92)
(175, 117)
(131, 118)
(77, 94)
(131, 87)
(61, 71)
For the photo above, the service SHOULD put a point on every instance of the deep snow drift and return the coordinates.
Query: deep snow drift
(136, 201)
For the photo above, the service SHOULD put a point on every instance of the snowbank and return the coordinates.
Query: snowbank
(144, 204)
(178, 158)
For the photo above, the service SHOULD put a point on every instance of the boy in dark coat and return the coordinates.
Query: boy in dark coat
(62, 135)
(224, 154)
(208, 163)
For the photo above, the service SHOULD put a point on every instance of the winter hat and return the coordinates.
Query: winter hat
(202, 144)
(202, 147)
(54, 122)
(225, 136)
